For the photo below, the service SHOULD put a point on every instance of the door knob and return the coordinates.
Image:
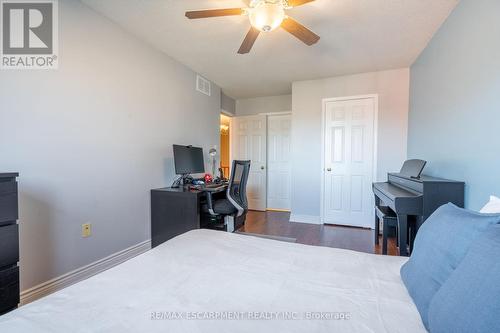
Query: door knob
(329, 169)
(262, 168)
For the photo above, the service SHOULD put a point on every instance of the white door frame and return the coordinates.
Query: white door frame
(323, 136)
(231, 116)
(227, 113)
(280, 113)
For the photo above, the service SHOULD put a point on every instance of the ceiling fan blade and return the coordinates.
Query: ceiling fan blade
(198, 14)
(250, 39)
(296, 3)
(299, 31)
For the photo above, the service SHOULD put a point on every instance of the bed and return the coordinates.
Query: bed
(210, 281)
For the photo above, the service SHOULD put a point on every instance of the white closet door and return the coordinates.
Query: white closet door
(348, 162)
(248, 142)
(278, 161)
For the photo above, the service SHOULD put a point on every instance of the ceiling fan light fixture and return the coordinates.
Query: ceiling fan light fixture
(266, 16)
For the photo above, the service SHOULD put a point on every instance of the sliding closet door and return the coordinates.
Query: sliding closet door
(278, 160)
(248, 142)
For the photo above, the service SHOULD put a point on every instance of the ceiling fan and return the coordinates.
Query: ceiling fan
(264, 16)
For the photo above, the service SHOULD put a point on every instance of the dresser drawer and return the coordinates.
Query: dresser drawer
(9, 245)
(9, 289)
(8, 201)
(8, 187)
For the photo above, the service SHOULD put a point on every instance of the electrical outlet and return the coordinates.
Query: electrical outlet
(86, 230)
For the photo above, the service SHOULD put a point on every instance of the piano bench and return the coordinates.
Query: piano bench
(389, 222)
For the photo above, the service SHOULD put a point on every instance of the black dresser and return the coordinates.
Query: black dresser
(9, 243)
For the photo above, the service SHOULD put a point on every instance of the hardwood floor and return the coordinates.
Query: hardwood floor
(277, 224)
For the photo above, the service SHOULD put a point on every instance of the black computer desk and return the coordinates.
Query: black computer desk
(175, 211)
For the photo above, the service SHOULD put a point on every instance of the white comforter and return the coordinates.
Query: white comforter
(209, 281)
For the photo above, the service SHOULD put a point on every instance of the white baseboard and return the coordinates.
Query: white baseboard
(82, 273)
(311, 219)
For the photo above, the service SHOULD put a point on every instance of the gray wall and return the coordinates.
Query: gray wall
(92, 138)
(252, 106)
(227, 103)
(455, 101)
(391, 86)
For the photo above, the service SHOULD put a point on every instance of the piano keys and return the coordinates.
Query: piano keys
(412, 199)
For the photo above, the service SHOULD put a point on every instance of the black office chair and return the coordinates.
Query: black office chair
(235, 206)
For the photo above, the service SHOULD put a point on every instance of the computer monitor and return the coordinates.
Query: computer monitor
(188, 160)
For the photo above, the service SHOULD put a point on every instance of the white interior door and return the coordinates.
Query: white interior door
(248, 142)
(279, 175)
(348, 161)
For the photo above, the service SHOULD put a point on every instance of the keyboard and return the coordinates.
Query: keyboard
(212, 185)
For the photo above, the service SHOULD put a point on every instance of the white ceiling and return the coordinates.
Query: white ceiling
(356, 36)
